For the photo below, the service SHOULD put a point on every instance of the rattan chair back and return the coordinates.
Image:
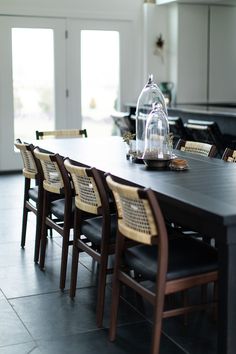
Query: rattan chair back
(87, 196)
(52, 178)
(196, 147)
(135, 215)
(29, 169)
(62, 133)
(229, 155)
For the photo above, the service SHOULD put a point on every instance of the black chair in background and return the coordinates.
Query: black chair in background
(209, 132)
(123, 122)
(177, 128)
(205, 132)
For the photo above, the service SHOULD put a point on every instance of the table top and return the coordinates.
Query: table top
(206, 190)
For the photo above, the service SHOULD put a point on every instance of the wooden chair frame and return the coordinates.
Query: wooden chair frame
(100, 207)
(56, 185)
(30, 172)
(157, 234)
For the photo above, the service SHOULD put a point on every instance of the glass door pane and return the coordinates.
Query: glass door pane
(33, 81)
(100, 53)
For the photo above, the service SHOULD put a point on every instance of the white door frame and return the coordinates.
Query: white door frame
(9, 159)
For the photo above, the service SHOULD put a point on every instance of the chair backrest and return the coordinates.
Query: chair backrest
(206, 132)
(30, 169)
(139, 215)
(51, 174)
(62, 133)
(123, 122)
(197, 148)
(90, 192)
(177, 128)
(229, 155)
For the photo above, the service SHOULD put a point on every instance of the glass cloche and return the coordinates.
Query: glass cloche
(150, 94)
(157, 138)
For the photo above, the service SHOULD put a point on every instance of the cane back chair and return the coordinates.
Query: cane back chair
(197, 147)
(229, 155)
(96, 235)
(172, 265)
(62, 133)
(33, 194)
(58, 214)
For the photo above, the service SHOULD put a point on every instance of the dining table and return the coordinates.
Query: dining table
(201, 198)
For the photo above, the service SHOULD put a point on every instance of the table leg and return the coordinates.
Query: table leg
(227, 292)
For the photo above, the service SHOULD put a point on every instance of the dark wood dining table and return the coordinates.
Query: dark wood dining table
(202, 198)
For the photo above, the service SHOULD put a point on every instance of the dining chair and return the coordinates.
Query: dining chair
(62, 133)
(170, 264)
(58, 205)
(123, 122)
(33, 193)
(176, 126)
(197, 148)
(229, 155)
(96, 235)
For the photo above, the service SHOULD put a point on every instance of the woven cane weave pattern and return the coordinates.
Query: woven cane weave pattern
(134, 215)
(87, 190)
(53, 181)
(66, 133)
(233, 157)
(197, 148)
(29, 163)
(30, 169)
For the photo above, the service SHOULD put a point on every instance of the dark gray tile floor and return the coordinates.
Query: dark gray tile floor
(36, 317)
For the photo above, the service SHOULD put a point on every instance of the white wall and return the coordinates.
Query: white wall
(155, 23)
(73, 8)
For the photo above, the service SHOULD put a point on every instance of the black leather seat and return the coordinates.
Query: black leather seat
(177, 128)
(184, 260)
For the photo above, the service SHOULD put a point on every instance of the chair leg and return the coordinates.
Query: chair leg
(116, 288)
(74, 269)
(64, 256)
(114, 307)
(25, 212)
(38, 230)
(158, 315)
(37, 240)
(24, 226)
(156, 337)
(101, 288)
(43, 242)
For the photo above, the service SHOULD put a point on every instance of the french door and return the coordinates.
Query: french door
(45, 79)
(100, 71)
(32, 81)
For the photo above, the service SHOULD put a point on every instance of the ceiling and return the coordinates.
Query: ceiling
(218, 2)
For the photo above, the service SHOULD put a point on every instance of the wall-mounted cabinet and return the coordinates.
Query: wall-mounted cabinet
(202, 53)
(222, 54)
(192, 52)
